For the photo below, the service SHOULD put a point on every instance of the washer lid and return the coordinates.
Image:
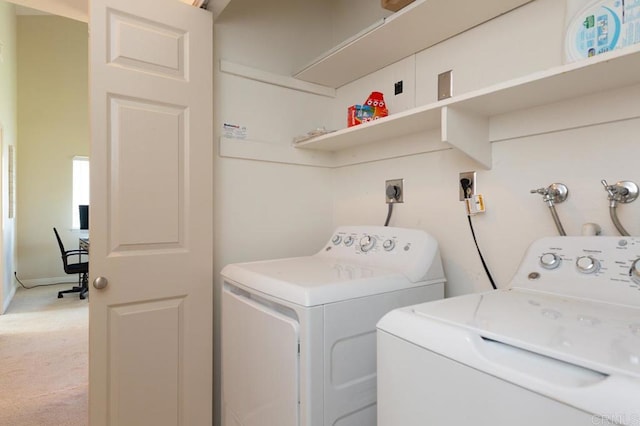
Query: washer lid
(314, 280)
(599, 336)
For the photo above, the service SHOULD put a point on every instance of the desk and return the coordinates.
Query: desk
(84, 244)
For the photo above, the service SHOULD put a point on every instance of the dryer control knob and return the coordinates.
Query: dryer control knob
(337, 239)
(587, 264)
(389, 245)
(550, 260)
(634, 272)
(348, 241)
(367, 243)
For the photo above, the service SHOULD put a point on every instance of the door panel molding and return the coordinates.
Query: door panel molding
(143, 45)
(156, 360)
(146, 205)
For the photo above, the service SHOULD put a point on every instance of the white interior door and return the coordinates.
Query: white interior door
(151, 213)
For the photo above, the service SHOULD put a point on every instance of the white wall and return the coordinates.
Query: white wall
(349, 17)
(274, 36)
(521, 42)
(53, 124)
(74, 9)
(267, 209)
(8, 136)
(285, 35)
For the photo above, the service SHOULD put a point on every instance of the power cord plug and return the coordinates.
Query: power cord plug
(466, 187)
(393, 193)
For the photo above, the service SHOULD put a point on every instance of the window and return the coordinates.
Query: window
(80, 188)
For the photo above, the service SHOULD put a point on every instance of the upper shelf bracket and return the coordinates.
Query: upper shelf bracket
(468, 132)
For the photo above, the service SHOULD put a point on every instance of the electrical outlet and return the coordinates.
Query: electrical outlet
(445, 85)
(397, 88)
(467, 185)
(394, 191)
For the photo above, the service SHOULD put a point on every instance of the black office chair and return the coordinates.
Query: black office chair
(81, 268)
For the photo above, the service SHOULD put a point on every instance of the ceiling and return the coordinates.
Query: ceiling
(74, 9)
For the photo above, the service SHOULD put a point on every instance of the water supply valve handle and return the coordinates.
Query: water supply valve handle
(554, 193)
(608, 188)
(541, 191)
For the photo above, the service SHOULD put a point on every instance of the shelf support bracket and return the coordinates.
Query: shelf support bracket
(467, 132)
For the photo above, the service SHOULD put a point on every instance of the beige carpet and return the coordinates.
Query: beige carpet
(43, 359)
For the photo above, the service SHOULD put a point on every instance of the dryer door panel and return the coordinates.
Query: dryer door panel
(350, 353)
(260, 371)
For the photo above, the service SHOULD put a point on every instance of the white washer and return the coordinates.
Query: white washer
(560, 347)
(299, 334)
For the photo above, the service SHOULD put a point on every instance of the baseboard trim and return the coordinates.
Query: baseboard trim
(50, 281)
(8, 299)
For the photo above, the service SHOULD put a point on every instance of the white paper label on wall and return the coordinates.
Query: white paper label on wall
(600, 26)
(234, 131)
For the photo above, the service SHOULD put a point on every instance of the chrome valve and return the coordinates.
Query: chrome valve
(621, 192)
(553, 194)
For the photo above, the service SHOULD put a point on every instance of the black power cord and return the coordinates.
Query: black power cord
(390, 211)
(484, 264)
(393, 195)
(15, 274)
(466, 188)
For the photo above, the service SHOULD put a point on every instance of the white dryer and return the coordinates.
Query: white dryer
(299, 336)
(561, 346)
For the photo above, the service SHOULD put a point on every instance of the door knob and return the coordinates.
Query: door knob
(100, 283)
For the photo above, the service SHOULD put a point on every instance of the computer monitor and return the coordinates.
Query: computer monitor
(84, 216)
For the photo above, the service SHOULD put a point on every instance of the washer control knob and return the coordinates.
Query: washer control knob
(367, 243)
(389, 245)
(337, 239)
(550, 260)
(587, 264)
(348, 241)
(634, 272)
